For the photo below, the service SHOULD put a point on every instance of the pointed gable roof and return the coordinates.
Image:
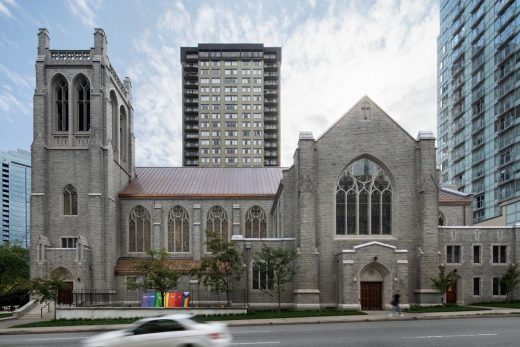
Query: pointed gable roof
(360, 110)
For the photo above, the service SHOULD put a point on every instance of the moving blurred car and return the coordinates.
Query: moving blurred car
(171, 330)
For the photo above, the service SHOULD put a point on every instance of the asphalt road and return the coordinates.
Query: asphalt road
(474, 332)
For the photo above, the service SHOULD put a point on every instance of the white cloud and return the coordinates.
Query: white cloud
(4, 7)
(85, 10)
(11, 105)
(19, 81)
(329, 62)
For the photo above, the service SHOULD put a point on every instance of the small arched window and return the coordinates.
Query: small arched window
(83, 104)
(178, 230)
(70, 200)
(115, 119)
(363, 200)
(217, 222)
(61, 100)
(255, 223)
(139, 233)
(442, 219)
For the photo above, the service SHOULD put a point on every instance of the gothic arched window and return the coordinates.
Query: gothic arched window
(115, 118)
(363, 200)
(61, 99)
(178, 230)
(70, 200)
(255, 223)
(139, 230)
(217, 222)
(83, 104)
(123, 132)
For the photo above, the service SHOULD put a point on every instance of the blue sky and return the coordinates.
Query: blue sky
(333, 53)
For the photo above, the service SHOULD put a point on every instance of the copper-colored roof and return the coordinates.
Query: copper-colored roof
(126, 266)
(175, 182)
(453, 197)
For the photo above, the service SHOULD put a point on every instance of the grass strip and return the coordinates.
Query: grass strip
(511, 304)
(5, 315)
(440, 308)
(249, 315)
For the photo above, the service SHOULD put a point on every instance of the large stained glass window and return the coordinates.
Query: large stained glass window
(364, 200)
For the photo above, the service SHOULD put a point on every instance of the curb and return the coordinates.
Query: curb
(276, 321)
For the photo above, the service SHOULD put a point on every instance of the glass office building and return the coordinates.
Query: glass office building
(15, 196)
(478, 102)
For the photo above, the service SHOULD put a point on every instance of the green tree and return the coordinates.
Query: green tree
(443, 282)
(280, 269)
(47, 289)
(154, 273)
(14, 272)
(510, 280)
(218, 270)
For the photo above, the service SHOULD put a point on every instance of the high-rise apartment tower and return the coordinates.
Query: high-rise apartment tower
(15, 196)
(231, 105)
(479, 103)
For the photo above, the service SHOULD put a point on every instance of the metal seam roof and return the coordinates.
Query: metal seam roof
(191, 181)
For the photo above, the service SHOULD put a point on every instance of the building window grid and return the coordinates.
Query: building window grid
(453, 254)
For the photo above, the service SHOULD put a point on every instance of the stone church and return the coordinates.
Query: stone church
(361, 203)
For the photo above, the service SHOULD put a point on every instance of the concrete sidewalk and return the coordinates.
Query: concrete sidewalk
(371, 316)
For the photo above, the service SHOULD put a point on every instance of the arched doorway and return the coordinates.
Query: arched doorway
(371, 286)
(451, 292)
(64, 294)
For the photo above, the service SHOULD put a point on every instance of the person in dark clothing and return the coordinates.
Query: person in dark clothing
(396, 307)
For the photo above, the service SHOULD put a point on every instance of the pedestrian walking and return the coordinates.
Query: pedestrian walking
(396, 307)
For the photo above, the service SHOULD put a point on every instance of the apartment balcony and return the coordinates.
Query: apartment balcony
(191, 136)
(270, 162)
(501, 6)
(190, 66)
(476, 17)
(270, 119)
(271, 136)
(271, 101)
(191, 154)
(191, 76)
(191, 110)
(457, 25)
(269, 57)
(191, 162)
(269, 144)
(191, 144)
(270, 75)
(270, 67)
(270, 153)
(192, 56)
(191, 101)
(271, 110)
(191, 119)
(191, 92)
(191, 84)
(271, 84)
(505, 52)
(457, 11)
(191, 128)
(270, 92)
(270, 127)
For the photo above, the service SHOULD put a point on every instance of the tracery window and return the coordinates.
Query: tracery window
(363, 200)
(61, 97)
(83, 100)
(217, 222)
(70, 200)
(178, 230)
(139, 230)
(255, 223)
(261, 277)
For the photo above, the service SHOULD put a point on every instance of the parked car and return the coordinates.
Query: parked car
(170, 330)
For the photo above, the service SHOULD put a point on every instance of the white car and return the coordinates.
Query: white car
(171, 330)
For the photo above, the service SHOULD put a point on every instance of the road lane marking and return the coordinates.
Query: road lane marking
(447, 336)
(257, 343)
(56, 338)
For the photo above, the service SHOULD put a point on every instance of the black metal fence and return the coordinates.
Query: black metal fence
(198, 297)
